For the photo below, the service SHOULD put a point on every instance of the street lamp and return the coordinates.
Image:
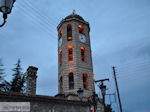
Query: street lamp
(103, 90)
(5, 8)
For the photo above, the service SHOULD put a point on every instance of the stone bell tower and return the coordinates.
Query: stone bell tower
(75, 69)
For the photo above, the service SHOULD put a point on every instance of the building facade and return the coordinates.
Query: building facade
(39, 103)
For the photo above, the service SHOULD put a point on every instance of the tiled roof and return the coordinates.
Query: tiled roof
(74, 16)
(21, 96)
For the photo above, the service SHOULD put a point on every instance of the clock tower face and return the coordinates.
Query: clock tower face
(82, 38)
(75, 68)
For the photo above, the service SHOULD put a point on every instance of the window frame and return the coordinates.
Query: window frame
(71, 80)
(85, 80)
(81, 29)
(69, 32)
(83, 54)
(70, 53)
(60, 33)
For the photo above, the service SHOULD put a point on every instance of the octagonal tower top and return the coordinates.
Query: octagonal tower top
(71, 17)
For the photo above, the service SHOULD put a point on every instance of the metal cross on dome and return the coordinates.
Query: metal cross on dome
(74, 12)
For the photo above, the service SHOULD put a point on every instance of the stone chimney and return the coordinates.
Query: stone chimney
(31, 80)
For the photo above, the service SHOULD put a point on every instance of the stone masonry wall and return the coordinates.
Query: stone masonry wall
(46, 103)
(77, 66)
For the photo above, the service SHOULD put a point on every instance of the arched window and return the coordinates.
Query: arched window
(60, 33)
(85, 80)
(70, 53)
(83, 57)
(60, 57)
(71, 80)
(61, 84)
(80, 28)
(69, 32)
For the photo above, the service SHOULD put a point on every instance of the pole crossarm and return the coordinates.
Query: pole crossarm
(101, 80)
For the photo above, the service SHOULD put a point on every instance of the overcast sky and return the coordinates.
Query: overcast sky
(120, 36)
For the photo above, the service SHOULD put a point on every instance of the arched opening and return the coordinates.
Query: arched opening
(61, 84)
(85, 80)
(60, 57)
(80, 28)
(70, 53)
(83, 57)
(69, 32)
(71, 80)
(60, 33)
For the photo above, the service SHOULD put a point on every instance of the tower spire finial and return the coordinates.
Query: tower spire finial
(73, 13)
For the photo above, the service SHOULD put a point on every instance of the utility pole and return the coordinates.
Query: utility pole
(117, 88)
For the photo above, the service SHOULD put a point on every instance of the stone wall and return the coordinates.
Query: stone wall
(40, 103)
(57, 107)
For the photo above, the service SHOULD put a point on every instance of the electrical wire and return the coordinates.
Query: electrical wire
(33, 17)
(37, 11)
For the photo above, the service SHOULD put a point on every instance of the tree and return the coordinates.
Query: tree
(17, 83)
(5, 86)
(2, 73)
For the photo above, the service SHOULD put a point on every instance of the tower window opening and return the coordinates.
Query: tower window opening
(61, 84)
(60, 33)
(70, 53)
(60, 57)
(80, 28)
(69, 32)
(85, 81)
(71, 81)
(83, 57)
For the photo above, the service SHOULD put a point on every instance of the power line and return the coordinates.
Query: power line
(134, 77)
(138, 69)
(134, 64)
(36, 10)
(35, 13)
(135, 72)
(30, 15)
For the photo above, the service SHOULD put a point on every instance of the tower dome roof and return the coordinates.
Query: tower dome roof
(71, 17)
(74, 16)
